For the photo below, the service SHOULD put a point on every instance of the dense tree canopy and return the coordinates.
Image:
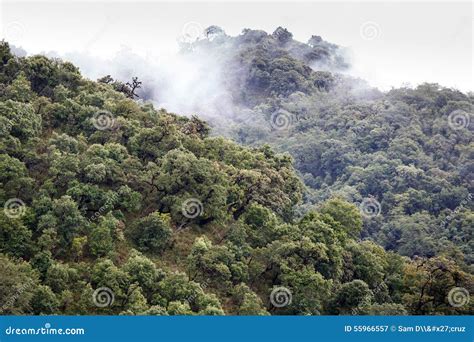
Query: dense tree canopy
(407, 151)
(114, 207)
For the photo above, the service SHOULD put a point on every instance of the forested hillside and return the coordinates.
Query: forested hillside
(405, 157)
(114, 207)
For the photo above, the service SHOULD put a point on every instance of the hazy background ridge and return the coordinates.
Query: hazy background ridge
(408, 42)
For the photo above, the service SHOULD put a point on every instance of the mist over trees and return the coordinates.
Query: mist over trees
(345, 200)
(408, 149)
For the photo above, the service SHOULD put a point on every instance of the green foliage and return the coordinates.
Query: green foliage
(18, 285)
(44, 301)
(152, 233)
(215, 264)
(346, 216)
(386, 309)
(351, 297)
(351, 141)
(92, 194)
(20, 118)
(309, 290)
(247, 301)
(101, 241)
(142, 271)
(428, 283)
(15, 238)
(60, 277)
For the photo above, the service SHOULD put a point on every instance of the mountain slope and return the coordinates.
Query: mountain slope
(407, 152)
(114, 207)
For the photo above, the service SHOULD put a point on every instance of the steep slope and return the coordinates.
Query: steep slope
(405, 156)
(113, 207)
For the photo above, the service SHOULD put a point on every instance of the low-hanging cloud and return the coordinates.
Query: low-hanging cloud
(203, 77)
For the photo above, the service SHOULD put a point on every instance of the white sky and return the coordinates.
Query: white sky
(414, 42)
